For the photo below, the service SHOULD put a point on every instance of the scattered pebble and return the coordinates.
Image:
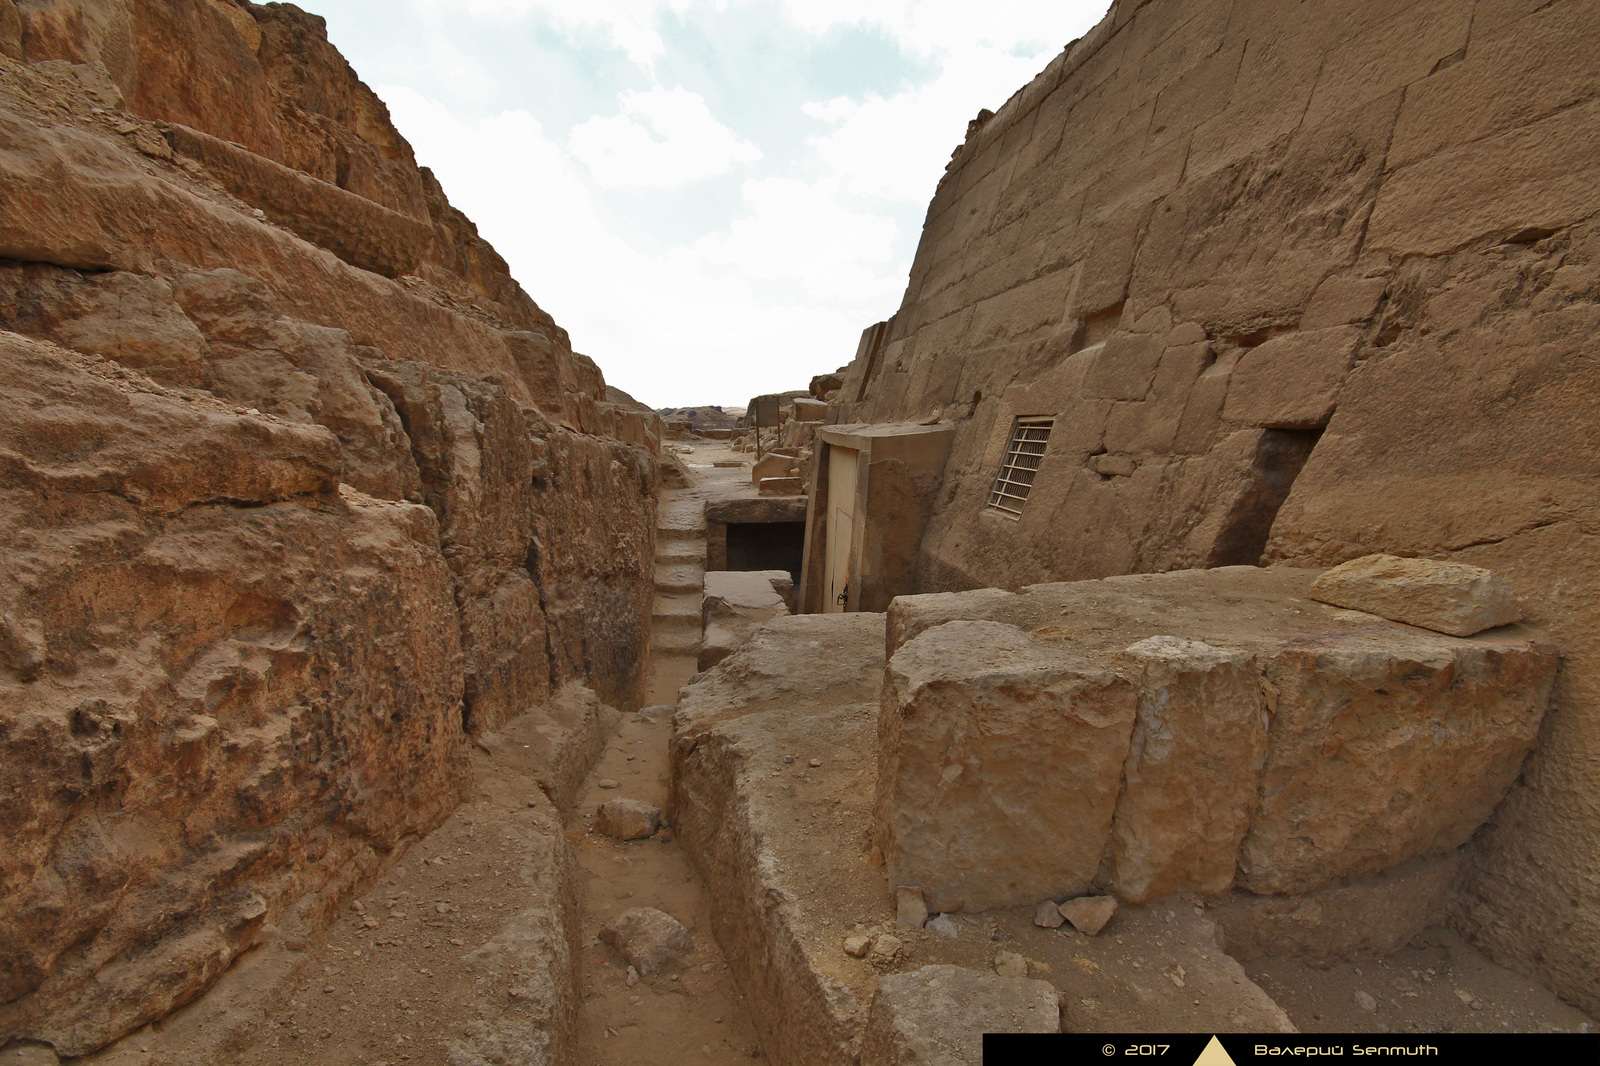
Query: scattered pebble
(857, 946)
(1089, 914)
(1365, 1001)
(1047, 915)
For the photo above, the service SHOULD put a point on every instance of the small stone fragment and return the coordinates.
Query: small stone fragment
(944, 927)
(627, 819)
(911, 912)
(632, 978)
(816, 762)
(1047, 915)
(1010, 964)
(606, 782)
(1451, 598)
(1365, 1001)
(857, 946)
(1089, 914)
(886, 947)
(648, 939)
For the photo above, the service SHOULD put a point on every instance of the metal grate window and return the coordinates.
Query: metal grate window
(1029, 437)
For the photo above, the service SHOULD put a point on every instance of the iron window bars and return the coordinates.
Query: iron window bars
(1029, 437)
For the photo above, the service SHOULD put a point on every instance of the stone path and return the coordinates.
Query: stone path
(694, 1015)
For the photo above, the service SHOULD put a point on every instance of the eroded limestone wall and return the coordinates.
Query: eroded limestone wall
(299, 488)
(1297, 282)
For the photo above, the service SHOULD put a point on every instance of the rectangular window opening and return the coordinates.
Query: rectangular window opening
(1029, 438)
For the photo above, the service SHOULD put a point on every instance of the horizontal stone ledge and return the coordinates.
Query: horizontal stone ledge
(362, 233)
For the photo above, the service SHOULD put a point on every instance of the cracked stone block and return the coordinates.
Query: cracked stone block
(1000, 760)
(1384, 745)
(1189, 785)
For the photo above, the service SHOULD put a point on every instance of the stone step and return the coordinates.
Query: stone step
(677, 551)
(674, 641)
(678, 606)
(672, 623)
(682, 531)
(679, 577)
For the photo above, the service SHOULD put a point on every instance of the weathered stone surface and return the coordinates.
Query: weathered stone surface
(360, 232)
(627, 819)
(911, 911)
(1356, 918)
(1385, 745)
(999, 764)
(734, 604)
(1048, 916)
(211, 700)
(773, 466)
(804, 684)
(1089, 914)
(286, 515)
(1109, 984)
(1293, 381)
(556, 742)
(1189, 786)
(1451, 598)
(1385, 742)
(937, 1015)
(781, 486)
(651, 940)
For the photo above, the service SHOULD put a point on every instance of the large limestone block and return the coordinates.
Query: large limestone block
(1446, 597)
(1385, 745)
(1292, 381)
(362, 233)
(937, 1015)
(998, 768)
(774, 465)
(1190, 781)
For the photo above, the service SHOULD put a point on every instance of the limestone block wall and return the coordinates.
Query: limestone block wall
(1296, 282)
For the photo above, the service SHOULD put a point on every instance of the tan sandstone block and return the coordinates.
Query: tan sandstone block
(1292, 381)
(1190, 781)
(937, 1015)
(1385, 745)
(999, 764)
(1451, 598)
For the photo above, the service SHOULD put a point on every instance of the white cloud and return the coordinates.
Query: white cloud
(783, 288)
(662, 138)
(757, 293)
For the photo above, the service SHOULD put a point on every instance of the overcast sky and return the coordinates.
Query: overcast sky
(713, 197)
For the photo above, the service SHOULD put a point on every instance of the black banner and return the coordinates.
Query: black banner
(1187, 1049)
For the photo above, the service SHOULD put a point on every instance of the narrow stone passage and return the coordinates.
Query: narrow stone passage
(693, 1014)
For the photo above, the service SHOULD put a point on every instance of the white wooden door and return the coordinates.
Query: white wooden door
(841, 526)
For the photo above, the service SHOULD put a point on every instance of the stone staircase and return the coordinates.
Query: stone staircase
(680, 570)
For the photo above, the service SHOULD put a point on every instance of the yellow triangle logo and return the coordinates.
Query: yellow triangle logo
(1214, 1055)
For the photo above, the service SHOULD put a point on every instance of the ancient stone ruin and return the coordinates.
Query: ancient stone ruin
(1180, 615)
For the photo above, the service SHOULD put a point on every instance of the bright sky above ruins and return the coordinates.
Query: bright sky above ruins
(714, 197)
